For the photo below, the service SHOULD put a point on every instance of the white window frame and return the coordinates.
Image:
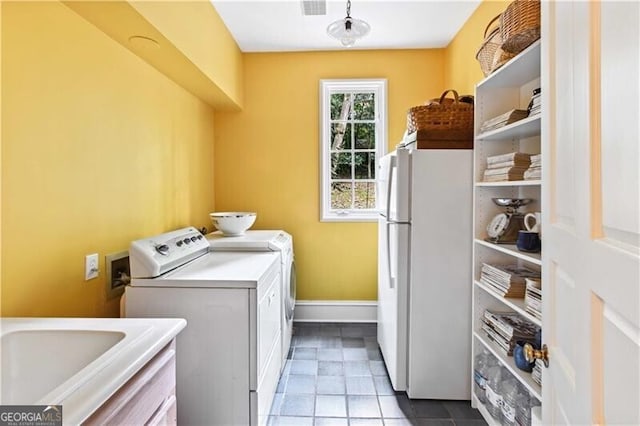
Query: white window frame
(327, 88)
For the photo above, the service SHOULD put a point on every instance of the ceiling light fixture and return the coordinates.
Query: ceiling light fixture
(348, 30)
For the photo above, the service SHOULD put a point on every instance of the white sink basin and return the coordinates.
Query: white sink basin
(75, 362)
(51, 357)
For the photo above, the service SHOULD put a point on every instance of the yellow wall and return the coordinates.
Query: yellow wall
(196, 29)
(267, 157)
(98, 149)
(462, 70)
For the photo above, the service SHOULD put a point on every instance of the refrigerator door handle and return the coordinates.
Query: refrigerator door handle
(392, 165)
(392, 279)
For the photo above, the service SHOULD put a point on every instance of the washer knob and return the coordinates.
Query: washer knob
(162, 249)
(194, 239)
(179, 243)
(187, 241)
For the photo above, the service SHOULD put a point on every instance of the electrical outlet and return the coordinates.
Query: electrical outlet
(91, 266)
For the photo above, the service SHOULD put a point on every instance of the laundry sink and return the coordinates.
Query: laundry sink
(76, 362)
(46, 359)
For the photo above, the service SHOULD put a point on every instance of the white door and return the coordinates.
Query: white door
(591, 235)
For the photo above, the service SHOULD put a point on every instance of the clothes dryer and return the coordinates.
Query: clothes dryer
(271, 241)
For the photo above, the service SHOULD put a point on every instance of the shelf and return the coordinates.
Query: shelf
(522, 376)
(485, 413)
(520, 129)
(519, 70)
(510, 183)
(515, 304)
(511, 250)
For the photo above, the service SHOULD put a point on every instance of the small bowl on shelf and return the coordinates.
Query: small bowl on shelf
(233, 224)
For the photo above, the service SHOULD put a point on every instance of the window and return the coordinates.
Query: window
(353, 116)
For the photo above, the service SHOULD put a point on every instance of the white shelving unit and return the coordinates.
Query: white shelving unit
(509, 87)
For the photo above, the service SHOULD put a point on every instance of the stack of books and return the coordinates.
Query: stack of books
(506, 328)
(536, 374)
(535, 168)
(504, 167)
(534, 105)
(533, 297)
(507, 280)
(503, 119)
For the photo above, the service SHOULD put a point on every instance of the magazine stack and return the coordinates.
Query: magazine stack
(507, 167)
(507, 280)
(506, 328)
(533, 297)
(503, 120)
(534, 171)
(534, 105)
(536, 374)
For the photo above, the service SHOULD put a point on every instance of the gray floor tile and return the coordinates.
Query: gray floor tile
(343, 365)
(330, 368)
(307, 342)
(330, 342)
(365, 422)
(291, 421)
(352, 342)
(331, 421)
(352, 331)
(327, 354)
(360, 385)
(378, 368)
(330, 385)
(435, 422)
(297, 405)
(305, 353)
(374, 355)
(331, 406)
(400, 422)
(301, 383)
(330, 331)
(355, 354)
(429, 408)
(303, 366)
(470, 422)
(395, 406)
(383, 385)
(371, 342)
(275, 405)
(363, 406)
(462, 410)
(282, 383)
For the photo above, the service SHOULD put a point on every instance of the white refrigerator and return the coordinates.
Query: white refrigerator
(424, 271)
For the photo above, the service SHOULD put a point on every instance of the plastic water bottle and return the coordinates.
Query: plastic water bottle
(510, 395)
(482, 362)
(523, 409)
(493, 391)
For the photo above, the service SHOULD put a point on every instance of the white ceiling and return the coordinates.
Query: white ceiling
(279, 25)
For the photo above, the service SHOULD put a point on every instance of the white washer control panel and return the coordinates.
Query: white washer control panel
(152, 257)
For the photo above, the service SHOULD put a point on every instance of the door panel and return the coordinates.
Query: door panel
(392, 299)
(591, 256)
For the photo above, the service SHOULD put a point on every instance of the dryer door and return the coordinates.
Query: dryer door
(291, 293)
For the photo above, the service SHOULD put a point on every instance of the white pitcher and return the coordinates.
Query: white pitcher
(533, 222)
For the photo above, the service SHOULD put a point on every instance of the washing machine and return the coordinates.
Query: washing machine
(229, 354)
(270, 241)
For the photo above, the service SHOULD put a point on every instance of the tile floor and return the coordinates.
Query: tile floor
(335, 376)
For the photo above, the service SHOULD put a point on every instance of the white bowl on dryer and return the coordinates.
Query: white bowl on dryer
(233, 224)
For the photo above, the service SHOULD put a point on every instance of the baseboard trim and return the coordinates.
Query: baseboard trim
(336, 311)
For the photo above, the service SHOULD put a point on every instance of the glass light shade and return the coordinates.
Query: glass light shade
(348, 30)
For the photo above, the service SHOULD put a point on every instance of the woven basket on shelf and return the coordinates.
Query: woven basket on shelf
(520, 25)
(446, 119)
(487, 50)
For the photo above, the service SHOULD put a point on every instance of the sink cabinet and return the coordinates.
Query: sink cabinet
(148, 398)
